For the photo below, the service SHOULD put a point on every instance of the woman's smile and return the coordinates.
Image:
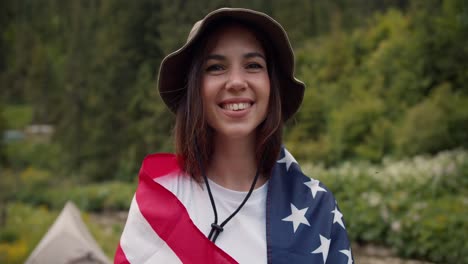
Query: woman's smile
(236, 106)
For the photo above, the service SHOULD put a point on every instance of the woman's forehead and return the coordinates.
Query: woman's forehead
(233, 36)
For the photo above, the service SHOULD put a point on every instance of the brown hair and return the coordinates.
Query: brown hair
(193, 134)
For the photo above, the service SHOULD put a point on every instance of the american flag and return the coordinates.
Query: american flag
(304, 223)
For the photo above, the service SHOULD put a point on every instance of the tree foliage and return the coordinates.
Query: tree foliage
(394, 87)
(384, 77)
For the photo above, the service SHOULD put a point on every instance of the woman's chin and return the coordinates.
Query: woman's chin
(236, 133)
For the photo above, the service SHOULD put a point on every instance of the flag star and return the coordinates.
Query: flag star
(338, 217)
(288, 159)
(324, 247)
(297, 217)
(348, 254)
(314, 187)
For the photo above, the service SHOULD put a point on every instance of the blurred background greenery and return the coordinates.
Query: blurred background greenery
(384, 122)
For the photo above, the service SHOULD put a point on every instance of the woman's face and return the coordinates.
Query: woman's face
(235, 83)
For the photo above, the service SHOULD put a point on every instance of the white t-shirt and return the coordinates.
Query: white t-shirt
(244, 236)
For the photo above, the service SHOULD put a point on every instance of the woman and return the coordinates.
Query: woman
(232, 194)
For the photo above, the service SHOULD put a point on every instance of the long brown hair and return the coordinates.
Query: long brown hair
(193, 135)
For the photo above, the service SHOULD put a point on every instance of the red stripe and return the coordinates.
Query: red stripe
(171, 221)
(160, 164)
(120, 257)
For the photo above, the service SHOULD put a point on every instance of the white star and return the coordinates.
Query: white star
(314, 187)
(297, 217)
(324, 247)
(348, 254)
(288, 159)
(338, 217)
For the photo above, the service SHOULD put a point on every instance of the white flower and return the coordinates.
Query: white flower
(396, 226)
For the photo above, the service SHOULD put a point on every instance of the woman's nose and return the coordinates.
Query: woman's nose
(236, 80)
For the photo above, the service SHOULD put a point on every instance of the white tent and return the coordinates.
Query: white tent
(68, 241)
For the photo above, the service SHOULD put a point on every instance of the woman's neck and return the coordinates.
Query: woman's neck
(233, 164)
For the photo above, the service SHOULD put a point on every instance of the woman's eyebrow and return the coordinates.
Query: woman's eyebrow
(254, 54)
(215, 57)
(246, 56)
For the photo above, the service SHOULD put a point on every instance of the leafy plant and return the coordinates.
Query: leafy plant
(416, 205)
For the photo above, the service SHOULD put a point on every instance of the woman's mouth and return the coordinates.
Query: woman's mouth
(236, 106)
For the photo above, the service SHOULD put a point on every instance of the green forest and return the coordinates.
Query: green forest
(386, 91)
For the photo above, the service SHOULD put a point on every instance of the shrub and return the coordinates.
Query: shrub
(22, 154)
(435, 123)
(416, 206)
(436, 229)
(18, 116)
(93, 197)
(395, 87)
(24, 227)
(14, 252)
(8, 236)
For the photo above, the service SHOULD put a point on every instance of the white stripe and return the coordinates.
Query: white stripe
(141, 244)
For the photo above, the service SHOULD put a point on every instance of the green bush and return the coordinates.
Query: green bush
(110, 196)
(22, 154)
(439, 122)
(25, 227)
(416, 206)
(394, 87)
(8, 236)
(26, 185)
(436, 229)
(18, 116)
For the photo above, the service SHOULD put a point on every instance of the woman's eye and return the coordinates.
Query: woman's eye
(214, 67)
(254, 66)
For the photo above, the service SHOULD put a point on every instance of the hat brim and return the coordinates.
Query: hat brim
(172, 89)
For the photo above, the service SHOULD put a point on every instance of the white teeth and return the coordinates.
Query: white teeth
(236, 107)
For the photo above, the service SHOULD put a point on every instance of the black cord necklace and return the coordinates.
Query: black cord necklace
(216, 228)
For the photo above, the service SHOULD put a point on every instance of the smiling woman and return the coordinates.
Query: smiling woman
(231, 194)
(215, 64)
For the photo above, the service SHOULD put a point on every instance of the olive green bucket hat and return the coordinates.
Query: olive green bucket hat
(173, 72)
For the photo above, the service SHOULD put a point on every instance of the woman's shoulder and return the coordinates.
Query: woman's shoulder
(159, 164)
(164, 169)
(292, 184)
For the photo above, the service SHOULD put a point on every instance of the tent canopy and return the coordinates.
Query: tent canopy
(68, 241)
